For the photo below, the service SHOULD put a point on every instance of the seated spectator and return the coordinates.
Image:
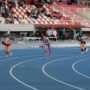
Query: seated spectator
(38, 5)
(2, 20)
(54, 33)
(49, 32)
(16, 21)
(55, 10)
(20, 3)
(24, 21)
(3, 11)
(48, 13)
(43, 10)
(7, 21)
(11, 20)
(49, 2)
(34, 13)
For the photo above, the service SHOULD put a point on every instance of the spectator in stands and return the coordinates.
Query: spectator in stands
(2, 19)
(34, 13)
(55, 10)
(20, 3)
(49, 1)
(43, 10)
(7, 21)
(37, 34)
(10, 12)
(24, 21)
(3, 11)
(48, 13)
(54, 32)
(49, 32)
(11, 20)
(16, 20)
(66, 35)
(38, 3)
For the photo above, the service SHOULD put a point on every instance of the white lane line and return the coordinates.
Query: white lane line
(15, 57)
(12, 68)
(74, 64)
(59, 81)
(28, 55)
(12, 75)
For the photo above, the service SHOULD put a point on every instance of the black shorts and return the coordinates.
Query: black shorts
(82, 42)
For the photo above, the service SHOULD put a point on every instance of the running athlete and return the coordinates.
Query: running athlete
(46, 45)
(82, 44)
(7, 45)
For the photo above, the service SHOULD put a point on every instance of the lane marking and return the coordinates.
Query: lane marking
(12, 68)
(15, 57)
(75, 70)
(62, 82)
(15, 78)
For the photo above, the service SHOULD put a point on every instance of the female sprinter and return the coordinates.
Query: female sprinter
(7, 47)
(46, 45)
(82, 44)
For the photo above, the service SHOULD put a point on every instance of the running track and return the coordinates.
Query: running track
(30, 69)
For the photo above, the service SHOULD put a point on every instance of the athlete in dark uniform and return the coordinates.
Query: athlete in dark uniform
(82, 43)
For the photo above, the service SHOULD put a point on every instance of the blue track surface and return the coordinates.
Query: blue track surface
(30, 69)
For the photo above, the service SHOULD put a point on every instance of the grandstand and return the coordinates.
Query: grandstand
(44, 44)
(35, 15)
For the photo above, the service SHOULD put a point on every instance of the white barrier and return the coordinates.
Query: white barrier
(17, 27)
